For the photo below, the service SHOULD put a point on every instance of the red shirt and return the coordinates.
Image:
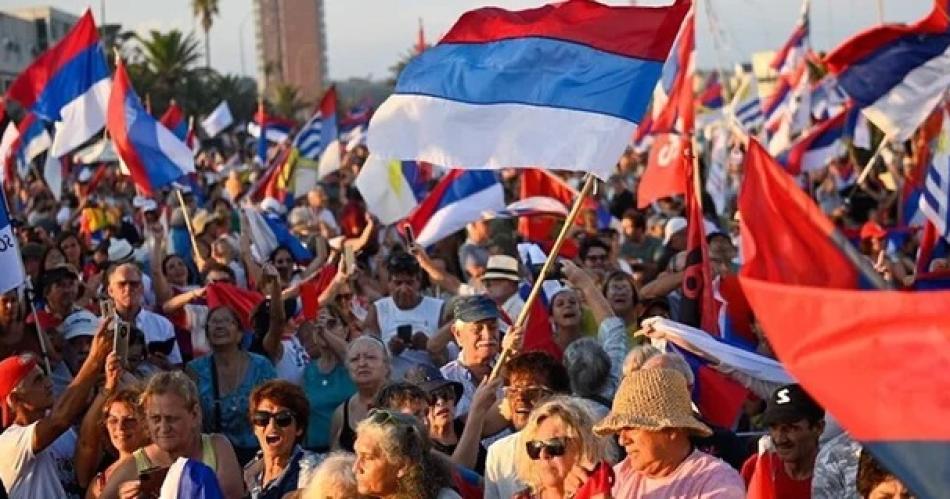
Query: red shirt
(783, 486)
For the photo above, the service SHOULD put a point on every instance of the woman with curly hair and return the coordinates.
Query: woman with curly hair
(394, 459)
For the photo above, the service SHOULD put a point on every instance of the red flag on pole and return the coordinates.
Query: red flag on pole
(311, 290)
(665, 174)
(240, 300)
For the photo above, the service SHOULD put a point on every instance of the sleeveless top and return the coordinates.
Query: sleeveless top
(208, 456)
(347, 434)
(424, 317)
(325, 392)
(293, 362)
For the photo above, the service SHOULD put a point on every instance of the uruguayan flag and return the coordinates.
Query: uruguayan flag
(936, 197)
(746, 106)
(10, 261)
(308, 139)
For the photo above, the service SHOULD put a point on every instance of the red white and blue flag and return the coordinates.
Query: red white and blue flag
(34, 139)
(174, 120)
(897, 73)
(320, 130)
(793, 51)
(818, 146)
(154, 156)
(560, 86)
(460, 197)
(673, 96)
(68, 83)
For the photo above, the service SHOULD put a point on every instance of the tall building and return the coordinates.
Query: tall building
(291, 46)
(25, 34)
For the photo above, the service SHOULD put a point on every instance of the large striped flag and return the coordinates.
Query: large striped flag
(794, 49)
(746, 105)
(561, 86)
(897, 73)
(321, 129)
(68, 83)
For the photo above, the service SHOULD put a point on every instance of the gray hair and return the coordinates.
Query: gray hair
(333, 478)
(588, 367)
(638, 356)
(674, 361)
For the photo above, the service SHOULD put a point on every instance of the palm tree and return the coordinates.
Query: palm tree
(205, 10)
(166, 61)
(287, 102)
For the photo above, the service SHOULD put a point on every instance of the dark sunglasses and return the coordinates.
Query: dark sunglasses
(555, 447)
(282, 419)
(446, 393)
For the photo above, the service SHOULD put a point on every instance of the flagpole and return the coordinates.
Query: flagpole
(867, 168)
(187, 216)
(546, 268)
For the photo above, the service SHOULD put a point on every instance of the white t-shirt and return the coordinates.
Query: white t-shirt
(501, 479)
(49, 474)
(425, 317)
(291, 365)
(157, 329)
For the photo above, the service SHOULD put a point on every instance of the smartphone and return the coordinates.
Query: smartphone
(349, 258)
(120, 342)
(106, 307)
(150, 482)
(404, 332)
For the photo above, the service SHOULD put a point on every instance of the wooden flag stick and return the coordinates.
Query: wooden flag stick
(187, 216)
(546, 268)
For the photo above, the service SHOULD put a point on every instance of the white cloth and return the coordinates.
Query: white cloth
(501, 480)
(49, 474)
(157, 329)
(425, 317)
(292, 363)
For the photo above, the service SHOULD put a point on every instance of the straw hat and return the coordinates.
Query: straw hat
(652, 399)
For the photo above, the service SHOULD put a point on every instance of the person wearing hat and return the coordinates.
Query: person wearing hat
(78, 330)
(454, 436)
(501, 281)
(476, 332)
(38, 443)
(653, 418)
(795, 423)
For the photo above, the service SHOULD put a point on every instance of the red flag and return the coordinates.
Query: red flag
(780, 219)
(240, 300)
(928, 241)
(598, 484)
(698, 307)
(312, 288)
(760, 484)
(677, 113)
(542, 183)
(538, 335)
(665, 174)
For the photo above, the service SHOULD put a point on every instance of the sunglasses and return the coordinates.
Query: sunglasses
(446, 393)
(282, 419)
(555, 447)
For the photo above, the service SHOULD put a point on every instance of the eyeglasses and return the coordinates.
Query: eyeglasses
(282, 419)
(382, 416)
(535, 392)
(555, 447)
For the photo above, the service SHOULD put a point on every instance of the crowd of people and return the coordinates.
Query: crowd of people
(389, 391)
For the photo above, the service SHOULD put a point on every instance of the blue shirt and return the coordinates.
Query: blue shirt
(234, 422)
(325, 392)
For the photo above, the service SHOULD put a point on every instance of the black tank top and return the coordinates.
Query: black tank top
(347, 435)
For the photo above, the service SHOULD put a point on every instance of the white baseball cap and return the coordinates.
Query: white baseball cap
(673, 226)
(79, 323)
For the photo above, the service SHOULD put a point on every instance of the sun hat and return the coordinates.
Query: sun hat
(120, 250)
(502, 267)
(652, 399)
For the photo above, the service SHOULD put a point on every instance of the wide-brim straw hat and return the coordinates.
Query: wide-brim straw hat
(652, 399)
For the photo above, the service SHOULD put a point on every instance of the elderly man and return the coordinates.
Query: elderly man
(38, 443)
(651, 413)
(124, 285)
(476, 332)
(795, 423)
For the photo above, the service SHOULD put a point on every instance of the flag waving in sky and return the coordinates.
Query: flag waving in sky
(560, 86)
(154, 155)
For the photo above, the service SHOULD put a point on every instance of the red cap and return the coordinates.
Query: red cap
(872, 230)
(12, 371)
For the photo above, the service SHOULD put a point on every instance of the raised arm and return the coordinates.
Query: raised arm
(272, 340)
(163, 291)
(89, 447)
(75, 399)
(438, 276)
(253, 268)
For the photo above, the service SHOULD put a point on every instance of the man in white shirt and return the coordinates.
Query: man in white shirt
(125, 287)
(37, 447)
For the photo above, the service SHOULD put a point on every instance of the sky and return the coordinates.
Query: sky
(366, 37)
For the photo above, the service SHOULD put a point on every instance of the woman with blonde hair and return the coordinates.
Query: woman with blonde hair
(173, 415)
(559, 451)
(367, 360)
(394, 459)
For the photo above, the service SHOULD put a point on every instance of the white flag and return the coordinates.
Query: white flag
(6, 146)
(330, 159)
(13, 274)
(53, 174)
(218, 120)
